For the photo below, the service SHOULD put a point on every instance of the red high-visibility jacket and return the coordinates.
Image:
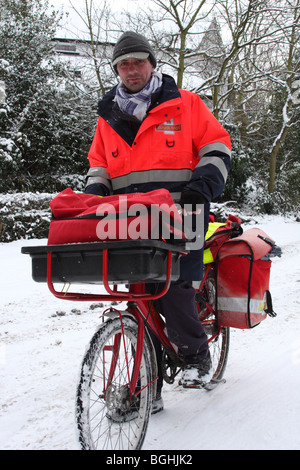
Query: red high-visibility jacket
(180, 144)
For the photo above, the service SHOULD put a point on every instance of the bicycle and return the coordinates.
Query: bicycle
(119, 370)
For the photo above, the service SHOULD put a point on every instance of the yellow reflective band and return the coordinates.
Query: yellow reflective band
(207, 256)
(212, 227)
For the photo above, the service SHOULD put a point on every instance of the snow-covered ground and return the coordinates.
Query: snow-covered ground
(43, 339)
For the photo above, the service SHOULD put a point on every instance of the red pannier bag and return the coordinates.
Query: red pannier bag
(243, 274)
(84, 218)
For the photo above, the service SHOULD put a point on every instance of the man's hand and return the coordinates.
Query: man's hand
(191, 198)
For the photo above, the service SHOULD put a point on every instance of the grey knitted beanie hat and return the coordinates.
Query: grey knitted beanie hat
(132, 45)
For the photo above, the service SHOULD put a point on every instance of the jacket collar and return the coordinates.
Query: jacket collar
(126, 126)
(168, 91)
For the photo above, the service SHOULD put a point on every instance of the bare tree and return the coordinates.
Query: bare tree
(236, 52)
(177, 29)
(286, 77)
(96, 17)
(262, 57)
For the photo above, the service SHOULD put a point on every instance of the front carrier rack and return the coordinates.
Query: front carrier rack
(133, 262)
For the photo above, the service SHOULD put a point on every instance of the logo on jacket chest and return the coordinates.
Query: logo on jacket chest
(168, 127)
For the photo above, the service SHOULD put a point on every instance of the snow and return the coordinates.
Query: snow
(43, 339)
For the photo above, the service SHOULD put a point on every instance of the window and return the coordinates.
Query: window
(66, 48)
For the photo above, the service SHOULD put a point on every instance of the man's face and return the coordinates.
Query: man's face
(135, 73)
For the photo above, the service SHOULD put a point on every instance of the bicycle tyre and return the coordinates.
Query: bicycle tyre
(97, 426)
(218, 337)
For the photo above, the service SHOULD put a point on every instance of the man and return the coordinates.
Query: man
(151, 135)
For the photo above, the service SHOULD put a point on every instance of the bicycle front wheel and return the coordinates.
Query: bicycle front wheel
(109, 416)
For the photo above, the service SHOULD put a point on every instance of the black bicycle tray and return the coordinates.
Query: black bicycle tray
(128, 261)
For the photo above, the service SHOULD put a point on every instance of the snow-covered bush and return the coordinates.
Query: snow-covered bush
(24, 215)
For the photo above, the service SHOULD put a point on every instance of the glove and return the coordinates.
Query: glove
(191, 197)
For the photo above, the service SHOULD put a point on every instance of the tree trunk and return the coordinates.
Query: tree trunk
(273, 158)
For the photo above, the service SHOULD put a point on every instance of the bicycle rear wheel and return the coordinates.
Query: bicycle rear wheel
(108, 415)
(218, 337)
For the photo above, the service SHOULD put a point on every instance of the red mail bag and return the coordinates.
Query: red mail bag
(243, 274)
(84, 218)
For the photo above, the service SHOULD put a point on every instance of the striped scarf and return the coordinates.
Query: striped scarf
(137, 104)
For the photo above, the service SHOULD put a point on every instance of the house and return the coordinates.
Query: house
(89, 60)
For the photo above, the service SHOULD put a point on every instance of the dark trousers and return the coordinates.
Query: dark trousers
(184, 329)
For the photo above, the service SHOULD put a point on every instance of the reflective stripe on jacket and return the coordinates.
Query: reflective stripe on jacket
(180, 144)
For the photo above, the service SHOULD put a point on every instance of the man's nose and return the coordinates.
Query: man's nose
(133, 67)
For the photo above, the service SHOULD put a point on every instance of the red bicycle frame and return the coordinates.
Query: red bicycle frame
(139, 306)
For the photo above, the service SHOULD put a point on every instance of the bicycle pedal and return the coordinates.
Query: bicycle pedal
(211, 385)
(198, 386)
(191, 385)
